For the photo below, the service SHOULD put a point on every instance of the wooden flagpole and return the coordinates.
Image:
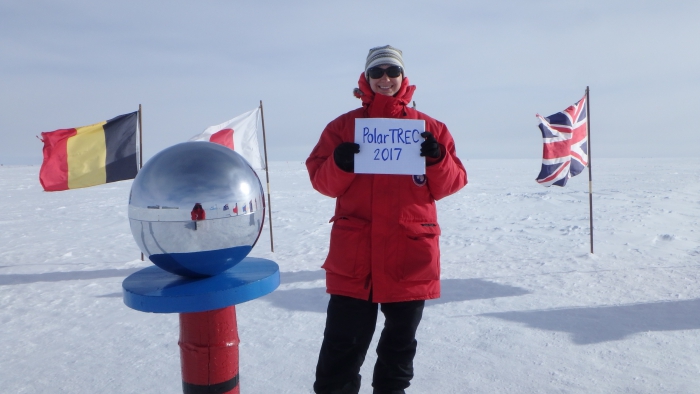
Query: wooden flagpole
(140, 150)
(267, 175)
(590, 175)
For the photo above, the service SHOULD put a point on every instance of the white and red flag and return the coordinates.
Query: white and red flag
(239, 134)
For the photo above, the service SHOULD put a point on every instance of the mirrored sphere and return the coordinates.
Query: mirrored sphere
(196, 209)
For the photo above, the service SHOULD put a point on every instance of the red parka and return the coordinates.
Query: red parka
(385, 233)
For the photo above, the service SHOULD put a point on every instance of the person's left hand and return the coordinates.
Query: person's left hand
(429, 147)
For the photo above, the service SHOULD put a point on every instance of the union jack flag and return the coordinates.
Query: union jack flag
(565, 140)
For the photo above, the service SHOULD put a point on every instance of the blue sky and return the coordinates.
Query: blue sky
(483, 68)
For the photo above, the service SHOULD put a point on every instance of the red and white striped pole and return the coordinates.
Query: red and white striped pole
(209, 351)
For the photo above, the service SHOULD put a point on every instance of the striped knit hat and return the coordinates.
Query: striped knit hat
(384, 55)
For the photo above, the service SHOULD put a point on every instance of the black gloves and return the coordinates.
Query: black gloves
(344, 156)
(430, 147)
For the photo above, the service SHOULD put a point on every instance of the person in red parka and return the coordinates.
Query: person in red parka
(384, 246)
(198, 213)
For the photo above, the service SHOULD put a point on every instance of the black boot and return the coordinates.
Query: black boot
(349, 388)
(378, 391)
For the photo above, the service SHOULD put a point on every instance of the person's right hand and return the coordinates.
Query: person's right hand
(344, 156)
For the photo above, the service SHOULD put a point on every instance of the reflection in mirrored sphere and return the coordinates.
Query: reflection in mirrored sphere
(196, 209)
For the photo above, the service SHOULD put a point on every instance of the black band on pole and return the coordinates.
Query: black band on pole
(219, 388)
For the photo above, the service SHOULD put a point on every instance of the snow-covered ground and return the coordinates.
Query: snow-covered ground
(525, 307)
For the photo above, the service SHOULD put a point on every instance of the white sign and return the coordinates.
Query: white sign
(389, 146)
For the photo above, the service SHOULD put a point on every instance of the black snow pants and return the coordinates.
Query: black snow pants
(350, 324)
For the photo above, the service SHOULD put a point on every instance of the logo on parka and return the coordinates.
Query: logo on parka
(419, 180)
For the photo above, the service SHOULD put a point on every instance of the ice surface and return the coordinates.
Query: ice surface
(525, 307)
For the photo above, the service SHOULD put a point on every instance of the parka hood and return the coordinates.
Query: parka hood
(381, 106)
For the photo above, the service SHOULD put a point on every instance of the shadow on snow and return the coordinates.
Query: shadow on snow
(20, 279)
(611, 323)
(316, 299)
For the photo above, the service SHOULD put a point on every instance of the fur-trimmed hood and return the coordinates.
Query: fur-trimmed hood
(381, 106)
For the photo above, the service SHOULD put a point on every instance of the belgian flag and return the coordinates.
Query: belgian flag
(91, 155)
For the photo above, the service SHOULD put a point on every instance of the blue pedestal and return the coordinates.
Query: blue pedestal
(155, 290)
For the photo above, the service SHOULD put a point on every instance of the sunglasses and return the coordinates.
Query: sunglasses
(391, 72)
